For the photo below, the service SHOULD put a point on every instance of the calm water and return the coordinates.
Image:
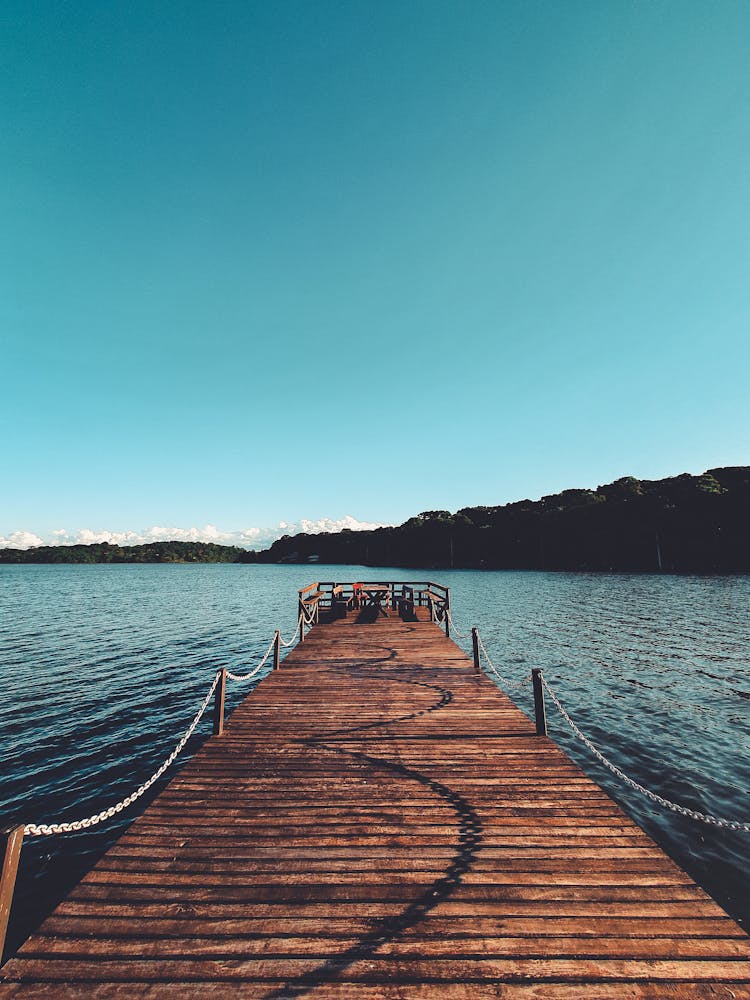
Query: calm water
(101, 667)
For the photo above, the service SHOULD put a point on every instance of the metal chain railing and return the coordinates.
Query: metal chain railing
(45, 829)
(726, 824)
(517, 685)
(255, 670)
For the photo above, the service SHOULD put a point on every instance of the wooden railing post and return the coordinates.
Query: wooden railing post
(221, 689)
(475, 647)
(276, 649)
(301, 622)
(447, 613)
(11, 840)
(539, 710)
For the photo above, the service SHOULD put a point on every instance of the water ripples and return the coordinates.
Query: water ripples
(653, 670)
(102, 668)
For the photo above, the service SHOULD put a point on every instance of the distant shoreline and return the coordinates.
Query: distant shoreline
(381, 570)
(683, 524)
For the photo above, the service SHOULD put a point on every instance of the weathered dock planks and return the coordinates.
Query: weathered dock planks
(380, 822)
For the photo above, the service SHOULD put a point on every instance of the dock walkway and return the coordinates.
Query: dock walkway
(379, 822)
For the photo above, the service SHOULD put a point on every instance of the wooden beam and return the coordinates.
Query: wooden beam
(540, 713)
(11, 841)
(219, 695)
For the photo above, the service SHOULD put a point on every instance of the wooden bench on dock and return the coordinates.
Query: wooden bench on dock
(309, 603)
(437, 603)
(340, 603)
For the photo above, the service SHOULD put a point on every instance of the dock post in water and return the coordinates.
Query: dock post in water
(475, 647)
(221, 689)
(11, 840)
(539, 709)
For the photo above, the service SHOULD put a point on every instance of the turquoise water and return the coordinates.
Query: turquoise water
(102, 667)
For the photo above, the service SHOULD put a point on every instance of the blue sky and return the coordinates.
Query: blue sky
(271, 262)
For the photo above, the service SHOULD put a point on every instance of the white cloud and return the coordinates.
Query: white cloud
(244, 537)
(263, 537)
(157, 533)
(85, 536)
(327, 524)
(20, 540)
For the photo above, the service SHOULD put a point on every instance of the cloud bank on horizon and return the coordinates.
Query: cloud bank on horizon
(249, 538)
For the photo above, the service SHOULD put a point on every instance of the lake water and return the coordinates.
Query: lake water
(101, 668)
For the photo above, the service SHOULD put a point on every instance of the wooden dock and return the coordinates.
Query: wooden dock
(378, 821)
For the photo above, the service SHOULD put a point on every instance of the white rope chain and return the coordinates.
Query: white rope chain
(308, 620)
(728, 824)
(518, 685)
(255, 670)
(461, 635)
(296, 633)
(45, 829)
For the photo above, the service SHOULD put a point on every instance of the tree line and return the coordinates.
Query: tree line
(105, 552)
(681, 524)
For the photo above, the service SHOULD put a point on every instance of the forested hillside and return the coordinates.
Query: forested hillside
(682, 524)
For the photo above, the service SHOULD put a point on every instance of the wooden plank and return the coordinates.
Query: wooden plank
(379, 821)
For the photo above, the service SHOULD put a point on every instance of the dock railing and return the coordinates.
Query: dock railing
(330, 595)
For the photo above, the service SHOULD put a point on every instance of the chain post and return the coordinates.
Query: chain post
(276, 649)
(301, 622)
(11, 840)
(539, 710)
(475, 647)
(221, 688)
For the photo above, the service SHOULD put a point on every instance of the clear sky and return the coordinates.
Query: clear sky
(273, 261)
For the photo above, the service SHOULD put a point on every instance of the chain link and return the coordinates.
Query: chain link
(309, 620)
(255, 670)
(726, 824)
(454, 629)
(437, 614)
(45, 829)
(513, 685)
(296, 633)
